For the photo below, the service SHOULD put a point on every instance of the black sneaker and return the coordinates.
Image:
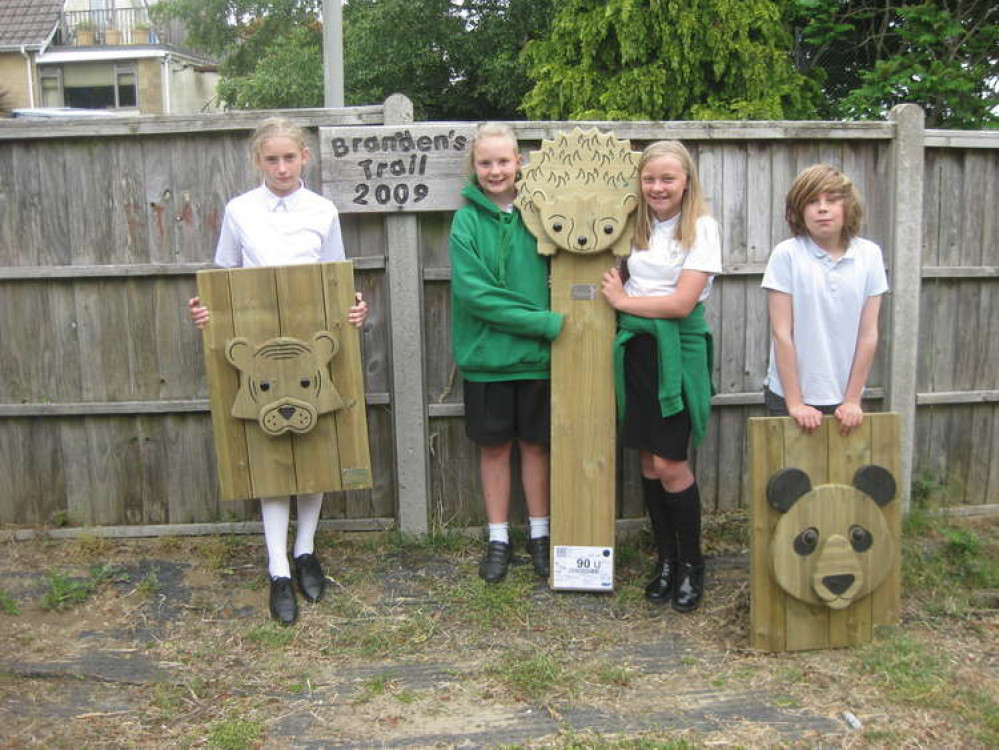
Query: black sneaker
(540, 551)
(284, 607)
(496, 562)
(310, 578)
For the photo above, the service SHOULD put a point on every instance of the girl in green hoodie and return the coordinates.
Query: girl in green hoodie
(501, 329)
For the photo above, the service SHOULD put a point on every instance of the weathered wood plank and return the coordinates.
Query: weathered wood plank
(351, 423)
(317, 463)
(807, 626)
(768, 626)
(583, 472)
(886, 602)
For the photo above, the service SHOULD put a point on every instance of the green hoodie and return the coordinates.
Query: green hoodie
(500, 322)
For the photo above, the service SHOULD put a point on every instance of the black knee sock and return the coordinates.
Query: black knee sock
(686, 520)
(660, 514)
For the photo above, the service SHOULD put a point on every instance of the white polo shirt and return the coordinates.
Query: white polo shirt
(655, 272)
(263, 229)
(827, 298)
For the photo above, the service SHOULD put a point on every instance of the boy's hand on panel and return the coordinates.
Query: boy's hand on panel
(850, 416)
(808, 418)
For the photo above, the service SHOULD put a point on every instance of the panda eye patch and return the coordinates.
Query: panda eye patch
(305, 382)
(860, 538)
(265, 386)
(806, 542)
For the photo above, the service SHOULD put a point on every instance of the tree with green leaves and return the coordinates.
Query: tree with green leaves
(454, 59)
(869, 55)
(657, 60)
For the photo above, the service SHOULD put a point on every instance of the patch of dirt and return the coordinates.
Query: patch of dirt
(409, 650)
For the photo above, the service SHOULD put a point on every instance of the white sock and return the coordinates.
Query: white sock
(275, 512)
(307, 507)
(540, 526)
(499, 532)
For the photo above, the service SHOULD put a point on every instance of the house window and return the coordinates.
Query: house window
(51, 82)
(90, 86)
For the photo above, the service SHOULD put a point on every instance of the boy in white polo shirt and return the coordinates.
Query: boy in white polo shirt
(824, 288)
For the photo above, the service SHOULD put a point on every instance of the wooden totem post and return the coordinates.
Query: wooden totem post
(577, 196)
(284, 373)
(825, 557)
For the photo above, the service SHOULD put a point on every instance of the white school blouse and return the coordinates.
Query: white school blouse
(655, 272)
(827, 298)
(263, 229)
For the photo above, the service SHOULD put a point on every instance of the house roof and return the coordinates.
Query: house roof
(28, 22)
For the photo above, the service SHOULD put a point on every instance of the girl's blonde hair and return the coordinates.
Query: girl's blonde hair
(692, 206)
(822, 178)
(275, 127)
(488, 130)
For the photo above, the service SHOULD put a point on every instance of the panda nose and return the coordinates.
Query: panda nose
(838, 584)
(287, 411)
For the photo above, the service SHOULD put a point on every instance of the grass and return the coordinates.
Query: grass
(912, 672)
(65, 591)
(235, 734)
(534, 675)
(945, 563)
(218, 553)
(490, 606)
(271, 635)
(7, 604)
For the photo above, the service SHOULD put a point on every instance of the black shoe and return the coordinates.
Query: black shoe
(689, 586)
(660, 589)
(495, 562)
(309, 576)
(540, 550)
(284, 607)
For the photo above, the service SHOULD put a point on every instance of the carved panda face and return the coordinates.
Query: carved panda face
(285, 383)
(832, 544)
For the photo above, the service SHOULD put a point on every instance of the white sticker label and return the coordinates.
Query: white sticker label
(583, 568)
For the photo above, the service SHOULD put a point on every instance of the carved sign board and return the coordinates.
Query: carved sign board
(395, 168)
(274, 311)
(826, 527)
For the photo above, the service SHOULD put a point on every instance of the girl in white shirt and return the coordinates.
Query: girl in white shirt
(283, 223)
(664, 352)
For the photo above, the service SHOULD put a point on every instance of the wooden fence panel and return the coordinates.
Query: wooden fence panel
(100, 236)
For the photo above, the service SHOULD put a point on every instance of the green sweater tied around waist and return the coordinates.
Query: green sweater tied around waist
(685, 362)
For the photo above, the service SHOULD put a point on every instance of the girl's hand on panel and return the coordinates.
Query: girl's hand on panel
(850, 416)
(613, 288)
(198, 312)
(357, 314)
(808, 418)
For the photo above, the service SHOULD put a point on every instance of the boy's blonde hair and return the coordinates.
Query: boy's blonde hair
(692, 206)
(274, 127)
(488, 130)
(822, 178)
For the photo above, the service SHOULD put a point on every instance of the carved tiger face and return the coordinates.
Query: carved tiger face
(285, 383)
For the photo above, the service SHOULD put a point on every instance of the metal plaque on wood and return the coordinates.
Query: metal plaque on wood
(285, 380)
(395, 168)
(826, 532)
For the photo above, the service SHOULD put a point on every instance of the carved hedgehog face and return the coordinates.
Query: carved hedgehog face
(832, 545)
(584, 222)
(285, 383)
